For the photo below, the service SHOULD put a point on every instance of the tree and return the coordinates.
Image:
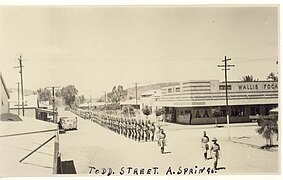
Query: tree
(146, 111)
(44, 94)
(272, 77)
(268, 128)
(159, 112)
(58, 93)
(117, 94)
(69, 94)
(81, 99)
(249, 78)
(128, 110)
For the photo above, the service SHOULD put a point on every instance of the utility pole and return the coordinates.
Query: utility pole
(18, 104)
(22, 82)
(136, 88)
(53, 101)
(226, 68)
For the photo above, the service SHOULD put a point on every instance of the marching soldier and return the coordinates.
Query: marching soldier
(138, 131)
(152, 129)
(147, 125)
(133, 129)
(120, 126)
(130, 129)
(124, 127)
(142, 131)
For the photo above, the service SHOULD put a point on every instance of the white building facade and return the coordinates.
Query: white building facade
(194, 102)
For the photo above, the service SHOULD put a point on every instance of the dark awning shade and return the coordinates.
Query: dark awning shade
(9, 117)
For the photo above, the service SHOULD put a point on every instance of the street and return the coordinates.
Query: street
(93, 148)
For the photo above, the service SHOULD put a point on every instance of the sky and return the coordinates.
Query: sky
(98, 47)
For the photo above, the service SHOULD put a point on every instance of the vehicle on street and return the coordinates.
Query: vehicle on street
(67, 123)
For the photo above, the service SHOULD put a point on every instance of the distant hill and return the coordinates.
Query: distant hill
(143, 89)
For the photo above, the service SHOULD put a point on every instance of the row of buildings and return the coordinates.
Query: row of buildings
(201, 102)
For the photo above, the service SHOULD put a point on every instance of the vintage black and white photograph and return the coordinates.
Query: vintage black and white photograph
(139, 90)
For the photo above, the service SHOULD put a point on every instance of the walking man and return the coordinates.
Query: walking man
(162, 140)
(204, 144)
(214, 151)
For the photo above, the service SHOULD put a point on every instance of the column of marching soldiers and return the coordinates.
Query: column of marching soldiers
(138, 130)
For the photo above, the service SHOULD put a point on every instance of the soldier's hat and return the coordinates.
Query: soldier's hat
(214, 139)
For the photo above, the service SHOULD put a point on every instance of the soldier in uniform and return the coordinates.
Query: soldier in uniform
(138, 130)
(152, 129)
(119, 126)
(125, 128)
(148, 130)
(143, 131)
(162, 140)
(204, 144)
(130, 129)
(134, 129)
(214, 151)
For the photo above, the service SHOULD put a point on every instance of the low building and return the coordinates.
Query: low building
(4, 96)
(150, 98)
(132, 102)
(30, 105)
(204, 102)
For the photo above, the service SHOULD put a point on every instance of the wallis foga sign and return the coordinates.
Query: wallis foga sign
(257, 86)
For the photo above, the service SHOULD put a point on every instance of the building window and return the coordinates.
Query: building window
(169, 90)
(205, 114)
(266, 111)
(197, 114)
(177, 89)
(218, 112)
(255, 110)
(222, 87)
(237, 111)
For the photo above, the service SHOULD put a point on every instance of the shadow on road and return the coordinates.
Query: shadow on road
(68, 167)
